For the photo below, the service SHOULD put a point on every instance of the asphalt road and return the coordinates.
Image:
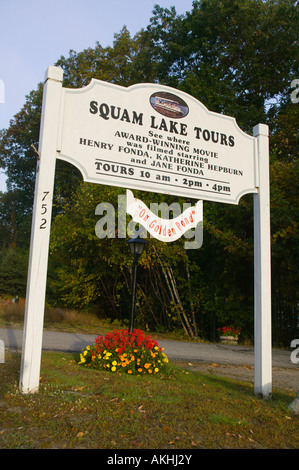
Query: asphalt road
(176, 350)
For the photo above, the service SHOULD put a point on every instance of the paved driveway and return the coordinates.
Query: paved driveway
(176, 350)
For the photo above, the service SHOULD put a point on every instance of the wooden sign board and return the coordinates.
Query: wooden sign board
(154, 138)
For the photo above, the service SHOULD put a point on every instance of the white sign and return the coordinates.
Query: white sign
(165, 230)
(154, 138)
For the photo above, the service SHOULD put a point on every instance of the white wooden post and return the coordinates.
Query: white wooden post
(40, 233)
(262, 270)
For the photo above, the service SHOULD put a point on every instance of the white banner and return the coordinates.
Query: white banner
(165, 230)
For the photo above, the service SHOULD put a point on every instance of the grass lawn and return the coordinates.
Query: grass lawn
(79, 408)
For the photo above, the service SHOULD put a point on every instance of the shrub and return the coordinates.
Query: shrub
(121, 351)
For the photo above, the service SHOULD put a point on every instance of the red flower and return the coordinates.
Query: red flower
(229, 331)
(123, 340)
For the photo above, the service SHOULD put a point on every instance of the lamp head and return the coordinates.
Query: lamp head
(137, 245)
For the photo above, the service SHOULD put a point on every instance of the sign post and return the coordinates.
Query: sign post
(40, 233)
(152, 138)
(262, 271)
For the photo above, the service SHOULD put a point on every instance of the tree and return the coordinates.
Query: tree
(13, 270)
(238, 58)
(229, 54)
(127, 62)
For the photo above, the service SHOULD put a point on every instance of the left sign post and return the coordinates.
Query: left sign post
(40, 232)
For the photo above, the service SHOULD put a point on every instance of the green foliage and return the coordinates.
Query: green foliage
(13, 271)
(127, 62)
(81, 257)
(228, 53)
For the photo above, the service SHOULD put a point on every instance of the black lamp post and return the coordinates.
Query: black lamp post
(136, 247)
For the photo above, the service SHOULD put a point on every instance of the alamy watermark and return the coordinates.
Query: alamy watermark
(2, 92)
(295, 93)
(1, 351)
(111, 225)
(295, 353)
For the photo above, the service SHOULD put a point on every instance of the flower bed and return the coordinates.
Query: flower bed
(122, 351)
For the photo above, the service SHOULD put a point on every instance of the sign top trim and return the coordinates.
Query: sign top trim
(155, 138)
(94, 82)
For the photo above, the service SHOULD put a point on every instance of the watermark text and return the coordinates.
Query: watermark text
(295, 93)
(295, 353)
(1, 351)
(113, 224)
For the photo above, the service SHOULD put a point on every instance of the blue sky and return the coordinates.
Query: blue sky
(35, 33)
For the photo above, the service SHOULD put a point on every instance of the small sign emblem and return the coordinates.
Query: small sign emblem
(169, 105)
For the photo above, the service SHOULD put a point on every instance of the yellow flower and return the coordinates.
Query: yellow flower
(113, 368)
(156, 369)
(114, 363)
(82, 358)
(165, 358)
